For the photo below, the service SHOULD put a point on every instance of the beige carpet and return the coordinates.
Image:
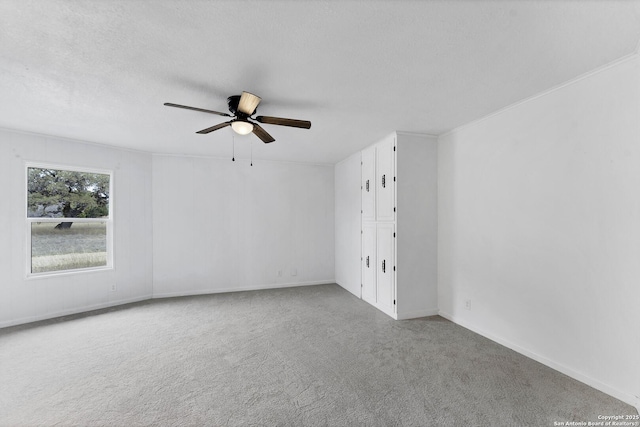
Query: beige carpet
(309, 356)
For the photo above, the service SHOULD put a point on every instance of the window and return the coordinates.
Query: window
(69, 221)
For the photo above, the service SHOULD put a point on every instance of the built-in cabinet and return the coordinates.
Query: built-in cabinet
(399, 225)
(378, 225)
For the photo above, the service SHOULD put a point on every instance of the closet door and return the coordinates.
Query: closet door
(385, 200)
(369, 263)
(369, 184)
(385, 277)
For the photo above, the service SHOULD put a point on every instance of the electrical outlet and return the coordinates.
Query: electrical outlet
(113, 287)
(467, 304)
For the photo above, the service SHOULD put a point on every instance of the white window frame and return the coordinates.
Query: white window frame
(29, 221)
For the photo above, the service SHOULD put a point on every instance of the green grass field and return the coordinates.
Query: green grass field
(81, 246)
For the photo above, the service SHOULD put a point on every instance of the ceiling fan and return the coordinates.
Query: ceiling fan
(242, 108)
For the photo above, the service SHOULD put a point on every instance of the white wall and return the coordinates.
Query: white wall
(24, 300)
(225, 226)
(539, 216)
(417, 225)
(347, 223)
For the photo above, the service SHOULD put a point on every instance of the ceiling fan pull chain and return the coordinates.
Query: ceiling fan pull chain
(251, 152)
(233, 147)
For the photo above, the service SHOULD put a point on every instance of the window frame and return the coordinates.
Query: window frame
(29, 221)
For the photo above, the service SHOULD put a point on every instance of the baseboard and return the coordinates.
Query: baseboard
(47, 316)
(598, 385)
(357, 295)
(239, 289)
(417, 313)
(30, 319)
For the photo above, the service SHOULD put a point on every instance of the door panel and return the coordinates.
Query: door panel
(369, 263)
(385, 277)
(385, 184)
(368, 184)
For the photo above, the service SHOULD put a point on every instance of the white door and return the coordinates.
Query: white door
(369, 184)
(369, 263)
(385, 277)
(385, 160)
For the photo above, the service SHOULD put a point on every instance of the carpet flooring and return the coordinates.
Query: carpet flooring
(307, 356)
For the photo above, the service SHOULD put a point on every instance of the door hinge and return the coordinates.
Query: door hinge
(361, 211)
(394, 234)
(394, 179)
(394, 302)
(394, 148)
(394, 268)
(394, 208)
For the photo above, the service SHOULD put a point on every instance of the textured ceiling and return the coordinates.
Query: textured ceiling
(100, 71)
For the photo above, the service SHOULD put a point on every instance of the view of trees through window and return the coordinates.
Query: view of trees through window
(68, 212)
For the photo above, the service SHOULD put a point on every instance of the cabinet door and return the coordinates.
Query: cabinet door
(385, 277)
(369, 263)
(385, 161)
(369, 184)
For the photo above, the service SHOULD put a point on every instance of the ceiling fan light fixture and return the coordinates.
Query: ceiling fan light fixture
(248, 103)
(242, 127)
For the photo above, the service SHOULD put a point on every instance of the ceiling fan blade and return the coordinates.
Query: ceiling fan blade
(216, 127)
(248, 103)
(169, 104)
(305, 124)
(262, 134)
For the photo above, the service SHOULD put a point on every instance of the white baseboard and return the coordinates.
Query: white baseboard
(30, 319)
(598, 385)
(417, 313)
(405, 315)
(357, 295)
(239, 289)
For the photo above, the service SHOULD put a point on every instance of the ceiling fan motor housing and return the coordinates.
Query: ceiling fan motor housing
(233, 102)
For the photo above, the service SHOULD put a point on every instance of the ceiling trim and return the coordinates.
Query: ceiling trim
(151, 153)
(626, 58)
(242, 159)
(68, 139)
(428, 135)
